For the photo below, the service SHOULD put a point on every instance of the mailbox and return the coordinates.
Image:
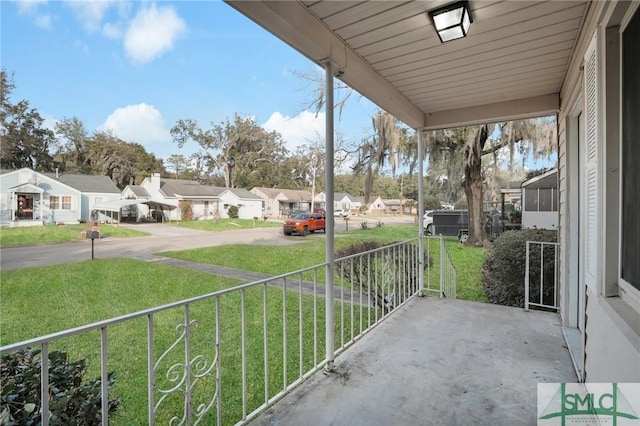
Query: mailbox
(93, 235)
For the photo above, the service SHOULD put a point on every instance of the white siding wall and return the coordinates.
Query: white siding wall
(612, 342)
(612, 354)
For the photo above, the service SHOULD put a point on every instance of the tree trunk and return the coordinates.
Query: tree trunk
(473, 188)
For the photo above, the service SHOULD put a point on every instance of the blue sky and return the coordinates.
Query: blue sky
(137, 67)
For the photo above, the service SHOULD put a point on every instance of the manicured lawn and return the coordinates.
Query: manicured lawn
(59, 234)
(228, 224)
(36, 301)
(275, 260)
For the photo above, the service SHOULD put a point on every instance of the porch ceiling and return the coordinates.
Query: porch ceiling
(511, 65)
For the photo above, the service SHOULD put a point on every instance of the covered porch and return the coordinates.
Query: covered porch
(437, 361)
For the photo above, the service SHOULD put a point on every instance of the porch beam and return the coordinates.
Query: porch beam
(537, 106)
(296, 26)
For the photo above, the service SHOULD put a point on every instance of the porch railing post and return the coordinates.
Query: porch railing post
(442, 263)
(526, 279)
(330, 231)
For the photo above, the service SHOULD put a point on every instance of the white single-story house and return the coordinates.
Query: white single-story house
(276, 202)
(249, 204)
(578, 60)
(540, 207)
(375, 205)
(341, 201)
(30, 198)
(135, 212)
(94, 190)
(205, 202)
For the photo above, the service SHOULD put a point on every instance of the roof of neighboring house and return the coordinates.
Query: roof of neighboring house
(87, 183)
(188, 188)
(244, 193)
(391, 203)
(509, 186)
(372, 198)
(342, 195)
(290, 194)
(139, 191)
(545, 180)
(269, 192)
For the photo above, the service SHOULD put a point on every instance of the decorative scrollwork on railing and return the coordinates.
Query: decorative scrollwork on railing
(183, 377)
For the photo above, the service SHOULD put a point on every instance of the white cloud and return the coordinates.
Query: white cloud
(140, 123)
(113, 31)
(91, 13)
(29, 7)
(302, 129)
(152, 32)
(43, 21)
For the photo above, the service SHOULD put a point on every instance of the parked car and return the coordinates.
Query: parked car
(304, 224)
(341, 213)
(294, 213)
(456, 223)
(427, 222)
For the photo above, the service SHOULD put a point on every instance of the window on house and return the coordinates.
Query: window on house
(54, 202)
(57, 202)
(66, 202)
(531, 200)
(544, 200)
(630, 202)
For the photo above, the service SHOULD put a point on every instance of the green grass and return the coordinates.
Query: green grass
(275, 260)
(468, 261)
(228, 224)
(37, 301)
(29, 235)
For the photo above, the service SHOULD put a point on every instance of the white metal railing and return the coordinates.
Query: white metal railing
(229, 348)
(545, 293)
(448, 285)
(441, 279)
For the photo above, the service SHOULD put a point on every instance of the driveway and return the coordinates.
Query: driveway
(162, 238)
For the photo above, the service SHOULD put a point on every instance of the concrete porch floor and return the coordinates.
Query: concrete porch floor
(436, 361)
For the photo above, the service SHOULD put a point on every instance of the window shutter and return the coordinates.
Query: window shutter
(591, 186)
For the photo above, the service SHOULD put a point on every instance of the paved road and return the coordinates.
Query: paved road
(163, 238)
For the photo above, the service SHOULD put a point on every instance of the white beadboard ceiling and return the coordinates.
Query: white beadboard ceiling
(512, 64)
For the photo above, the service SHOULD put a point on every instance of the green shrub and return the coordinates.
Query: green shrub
(381, 275)
(504, 268)
(71, 402)
(432, 202)
(186, 211)
(232, 211)
(364, 225)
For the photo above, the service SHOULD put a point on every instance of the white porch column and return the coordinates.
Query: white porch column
(420, 211)
(330, 231)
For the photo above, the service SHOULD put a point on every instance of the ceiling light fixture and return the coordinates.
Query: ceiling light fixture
(452, 21)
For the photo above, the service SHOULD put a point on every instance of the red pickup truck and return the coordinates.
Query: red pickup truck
(304, 223)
